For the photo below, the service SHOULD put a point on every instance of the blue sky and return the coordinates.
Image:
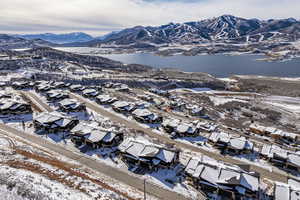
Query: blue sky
(98, 17)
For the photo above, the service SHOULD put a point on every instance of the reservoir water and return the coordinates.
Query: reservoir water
(216, 65)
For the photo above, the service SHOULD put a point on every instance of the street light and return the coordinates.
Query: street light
(145, 189)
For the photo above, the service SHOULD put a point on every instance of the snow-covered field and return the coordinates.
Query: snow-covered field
(40, 174)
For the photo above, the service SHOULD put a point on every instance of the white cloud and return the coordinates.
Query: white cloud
(100, 16)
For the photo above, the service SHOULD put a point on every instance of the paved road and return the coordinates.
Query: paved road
(275, 175)
(115, 173)
(37, 101)
(252, 138)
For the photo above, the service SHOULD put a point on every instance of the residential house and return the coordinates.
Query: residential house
(277, 135)
(163, 93)
(207, 126)
(94, 136)
(77, 88)
(229, 144)
(56, 95)
(146, 155)
(122, 88)
(43, 88)
(195, 110)
(146, 97)
(105, 99)
(3, 84)
(257, 129)
(5, 95)
(227, 182)
(60, 85)
(108, 85)
(123, 107)
(219, 140)
(90, 93)
(141, 105)
(180, 129)
(285, 159)
(239, 145)
(22, 85)
(177, 105)
(53, 122)
(71, 105)
(280, 136)
(146, 116)
(170, 125)
(14, 107)
(286, 192)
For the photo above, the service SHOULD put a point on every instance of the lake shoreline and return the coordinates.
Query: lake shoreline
(218, 65)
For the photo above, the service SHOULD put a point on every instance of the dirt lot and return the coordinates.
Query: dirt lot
(268, 85)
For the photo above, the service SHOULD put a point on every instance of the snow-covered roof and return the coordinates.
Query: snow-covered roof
(266, 149)
(282, 192)
(171, 122)
(56, 84)
(56, 93)
(90, 91)
(96, 135)
(109, 137)
(228, 176)
(192, 165)
(285, 134)
(67, 102)
(273, 150)
(210, 174)
(73, 87)
(44, 87)
(295, 195)
(219, 137)
(294, 159)
(11, 104)
(104, 98)
(4, 94)
(240, 143)
(82, 128)
(57, 118)
(250, 182)
(92, 133)
(165, 155)
(257, 126)
(273, 131)
(270, 129)
(120, 104)
(217, 174)
(294, 183)
(142, 112)
(185, 128)
(140, 149)
(290, 191)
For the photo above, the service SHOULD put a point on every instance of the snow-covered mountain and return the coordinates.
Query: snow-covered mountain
(226, 27)
(60, 38)
(13, 42)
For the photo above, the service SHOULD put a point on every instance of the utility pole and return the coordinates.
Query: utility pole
(144, 189)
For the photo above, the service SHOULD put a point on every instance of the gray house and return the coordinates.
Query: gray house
(14, 107)
(230, 183)
(143, 154)
(71, 105)
(53, 122)
(146, 116)
(94, 136)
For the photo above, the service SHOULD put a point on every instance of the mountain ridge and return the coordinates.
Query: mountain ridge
(59, 38)
(222, 29)
(225, 27)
